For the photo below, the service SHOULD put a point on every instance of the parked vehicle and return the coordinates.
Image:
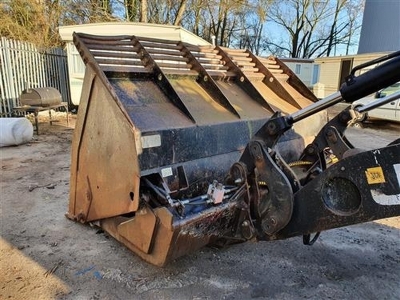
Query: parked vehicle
(389, 111)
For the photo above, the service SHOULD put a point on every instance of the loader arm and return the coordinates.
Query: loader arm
(360, 187)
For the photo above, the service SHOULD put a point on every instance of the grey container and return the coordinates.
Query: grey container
(46, 96)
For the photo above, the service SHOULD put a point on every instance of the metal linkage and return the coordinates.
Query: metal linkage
(354, 88)
(340, 196)
(269, 208)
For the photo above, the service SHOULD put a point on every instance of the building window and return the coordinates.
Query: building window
(77, 67)
(315, 75)
(298, 69)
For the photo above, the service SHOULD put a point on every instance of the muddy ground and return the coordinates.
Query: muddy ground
(43, 255)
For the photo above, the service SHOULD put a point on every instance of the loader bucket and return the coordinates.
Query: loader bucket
(159, 121)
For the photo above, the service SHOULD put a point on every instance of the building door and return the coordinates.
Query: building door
(345, 68)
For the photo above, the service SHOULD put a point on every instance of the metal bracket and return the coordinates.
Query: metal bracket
(272, 199)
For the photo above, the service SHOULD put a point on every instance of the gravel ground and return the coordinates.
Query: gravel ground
(43, 255)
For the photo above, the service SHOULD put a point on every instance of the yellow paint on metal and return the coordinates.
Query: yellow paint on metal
(375, 175)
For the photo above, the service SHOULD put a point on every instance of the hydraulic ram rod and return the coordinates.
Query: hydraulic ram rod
(315, 107)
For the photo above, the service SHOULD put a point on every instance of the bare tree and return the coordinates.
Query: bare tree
(353, 10)
(252, 28)
(89, 11)
(311, 28)
(296, 28)
(180, 12)
(193, 16)
(131, 8)
(143, 11)
(223, 19)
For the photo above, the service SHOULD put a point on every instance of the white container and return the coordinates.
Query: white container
(15, 131)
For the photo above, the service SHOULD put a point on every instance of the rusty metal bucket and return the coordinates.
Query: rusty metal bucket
(160, 121)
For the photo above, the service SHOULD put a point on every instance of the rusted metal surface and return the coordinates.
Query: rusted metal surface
(158, 114)
(178, 146)
(171, 237)
(97, 158)
(295, 82)
(178, 115)
(46, 96)
(140, 229)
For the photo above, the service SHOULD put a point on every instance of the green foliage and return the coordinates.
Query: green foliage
(21, 19)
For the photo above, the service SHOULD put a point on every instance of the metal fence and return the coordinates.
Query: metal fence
(23, 66)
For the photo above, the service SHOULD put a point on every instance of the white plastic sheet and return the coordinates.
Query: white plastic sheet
(15, 131)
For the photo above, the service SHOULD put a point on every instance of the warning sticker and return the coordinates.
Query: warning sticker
(375, 175)
(383, 199)
(166, 172)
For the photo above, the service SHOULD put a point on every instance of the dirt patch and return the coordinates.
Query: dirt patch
(43, 255)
